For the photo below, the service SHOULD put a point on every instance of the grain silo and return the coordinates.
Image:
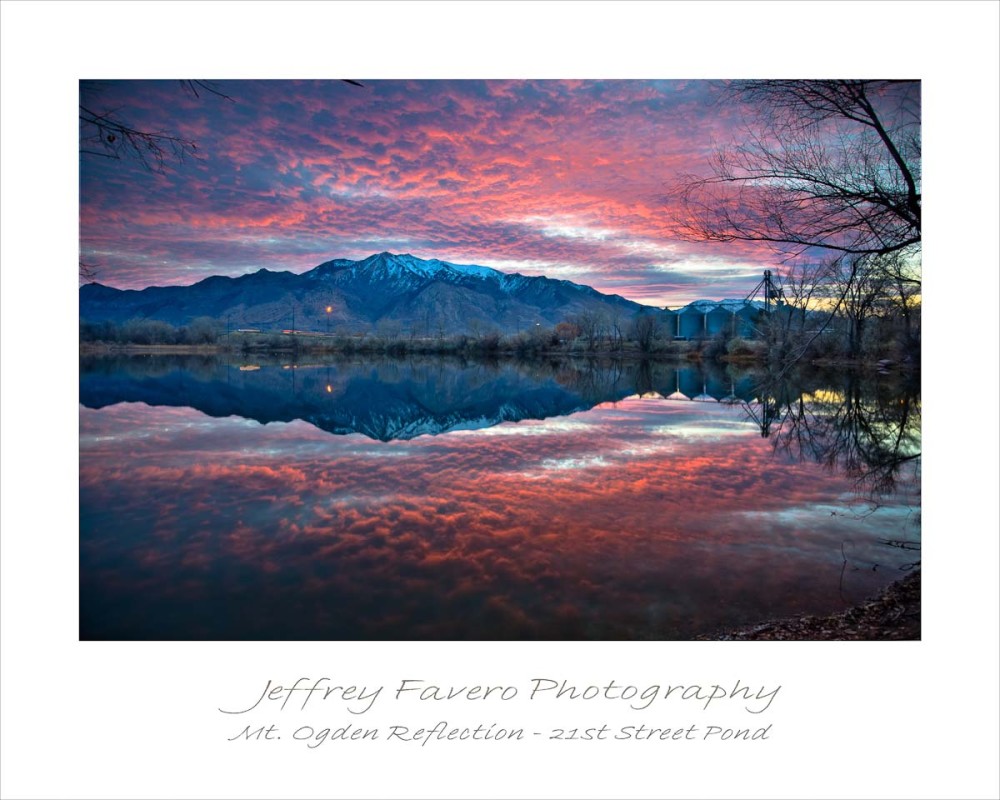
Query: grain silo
(691, 321)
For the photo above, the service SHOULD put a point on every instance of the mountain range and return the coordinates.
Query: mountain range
(384, 292)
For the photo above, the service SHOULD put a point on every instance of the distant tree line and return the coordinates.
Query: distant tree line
(587, 332)
(876, 319)
(203, 330)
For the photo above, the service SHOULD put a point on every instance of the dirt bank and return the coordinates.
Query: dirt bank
(893, 614)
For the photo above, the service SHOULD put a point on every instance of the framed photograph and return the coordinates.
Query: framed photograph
(531, 417)
(660, 409)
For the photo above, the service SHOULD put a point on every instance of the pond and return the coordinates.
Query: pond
(436, 499)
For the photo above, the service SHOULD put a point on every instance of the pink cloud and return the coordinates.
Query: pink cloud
(526, 537)
(566, 177)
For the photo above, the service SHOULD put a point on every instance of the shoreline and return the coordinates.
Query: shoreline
(891, 615)
(686, 352)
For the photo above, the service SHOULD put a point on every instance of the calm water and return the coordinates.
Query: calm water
(436, 499)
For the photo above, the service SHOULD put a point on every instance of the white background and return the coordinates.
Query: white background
(914, 719)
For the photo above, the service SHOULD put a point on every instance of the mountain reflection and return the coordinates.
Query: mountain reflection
(394, 399)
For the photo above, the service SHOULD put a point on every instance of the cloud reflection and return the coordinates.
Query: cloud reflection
(653, 520)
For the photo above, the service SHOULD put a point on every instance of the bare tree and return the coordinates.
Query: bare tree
(903, 294)
(88, 271)
(616, 325)
(785, 329)
(645, 329)
(828, 167)
(590, 322)
(833, 165)
(799, 287)
(860, 294)
(105, 133)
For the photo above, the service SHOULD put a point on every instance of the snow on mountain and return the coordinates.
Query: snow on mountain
(403, 265)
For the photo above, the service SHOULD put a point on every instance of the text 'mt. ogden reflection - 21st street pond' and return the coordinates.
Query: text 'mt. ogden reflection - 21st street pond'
(435, 499)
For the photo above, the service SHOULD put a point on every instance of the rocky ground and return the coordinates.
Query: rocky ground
(894, 614)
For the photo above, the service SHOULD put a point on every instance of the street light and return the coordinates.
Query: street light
(329, 310)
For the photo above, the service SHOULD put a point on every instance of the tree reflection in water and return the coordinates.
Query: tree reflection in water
(867, 429)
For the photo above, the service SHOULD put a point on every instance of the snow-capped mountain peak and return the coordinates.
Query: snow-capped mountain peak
(393, 264)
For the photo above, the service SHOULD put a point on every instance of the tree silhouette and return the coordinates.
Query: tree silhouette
(833, 165)
(106, 134)
(824, 167)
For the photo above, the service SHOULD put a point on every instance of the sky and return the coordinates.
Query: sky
(568, 179)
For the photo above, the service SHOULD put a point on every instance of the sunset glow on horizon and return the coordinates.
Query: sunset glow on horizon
(569, 179)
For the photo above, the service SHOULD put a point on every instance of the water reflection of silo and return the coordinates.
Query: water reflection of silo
(672, 385)
(731, 398)
(717, 386)
(664, 380)
(689, 382)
